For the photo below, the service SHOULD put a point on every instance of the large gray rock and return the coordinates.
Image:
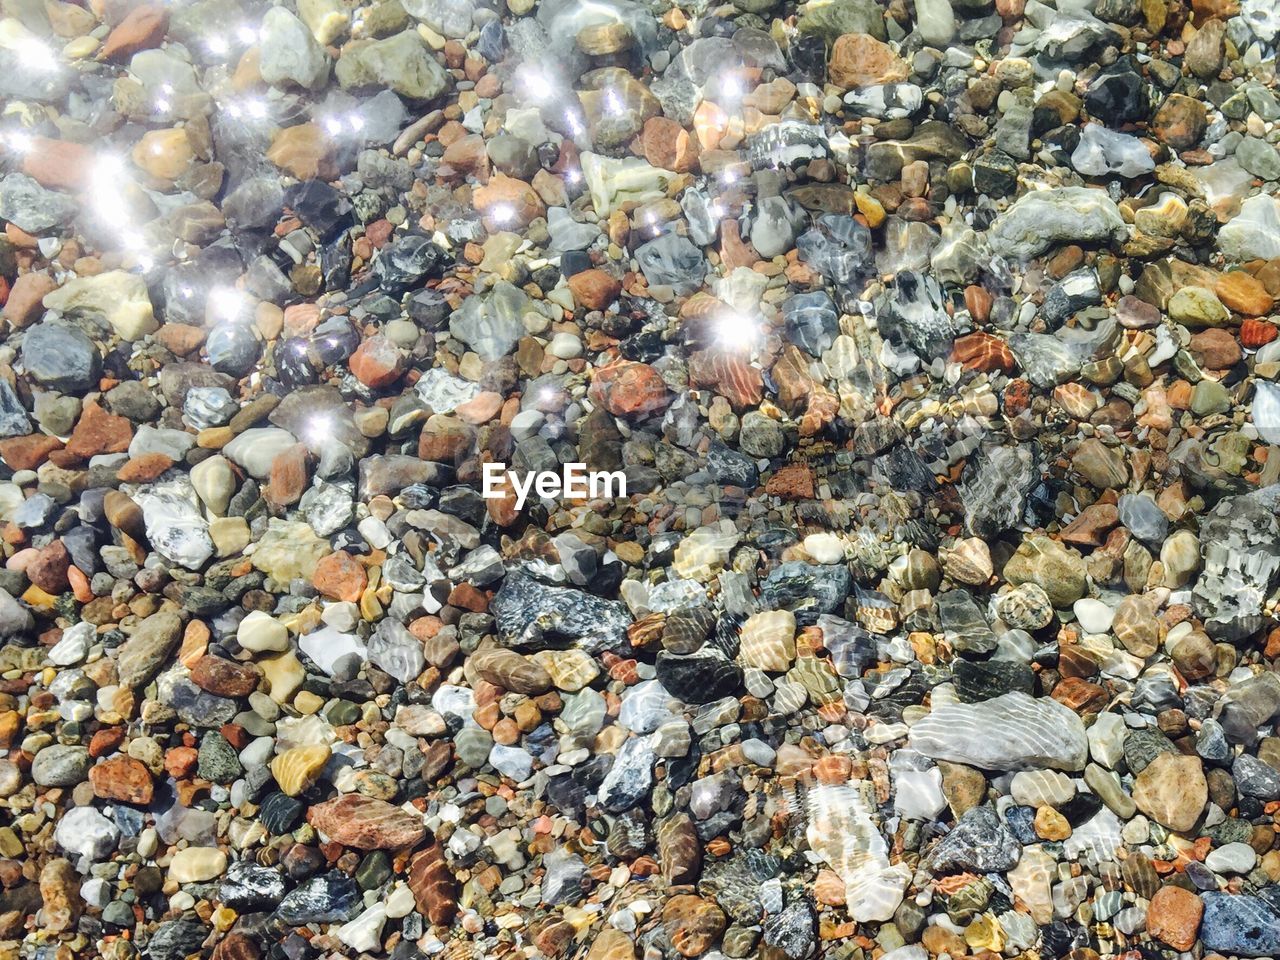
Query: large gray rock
(1012, 732)
(402, 63)
(1240, 550)
(290, 54)
(1043, 218)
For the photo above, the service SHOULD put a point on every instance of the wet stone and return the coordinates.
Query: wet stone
(919, 598)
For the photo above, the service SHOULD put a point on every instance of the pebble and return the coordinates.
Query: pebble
(933, 343)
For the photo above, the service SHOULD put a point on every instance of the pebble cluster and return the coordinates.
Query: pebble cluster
(934, 341)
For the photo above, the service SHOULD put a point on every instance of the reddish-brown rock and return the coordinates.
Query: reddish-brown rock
(48, 570)
(508, 203)
(58, 164)
(145, 467)
(628, 389)
(860, 60)
(124, 779)
(237, 946)
(594, 289)
(434, 890)
(365, 823)
(729, 374)
(99, 432)
(693, 924)
(339, 576)
(27, 453)
(1215, 349)
(668, 145)
(1243, 293)
(141, 29)
(289, 476)
(225, 678)
(25, 305)
(377, 363)
(106, 741)
(1179, 122)
(1256, 333)
(982, 351)
(1173, 917)
(792, 482)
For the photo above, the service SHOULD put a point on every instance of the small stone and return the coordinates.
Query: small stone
(297, 769)
(197, 865)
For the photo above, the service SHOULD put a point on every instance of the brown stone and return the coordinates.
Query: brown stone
(1136, 627)
(303, 151)
(1243, 293)
(123, 513)
(668, 145)
(729, 374)
(289, 476)
(1080, 695)
(106, 741)
(679, 849)
(963, 786)
(182, 339)
(481, 408)
(58, 164)
(377, 363)
(693, 924)
(1090, 527)
(366, 823)
(27, 453)
(1100, 465)
(508, 203)
(982, 351)
(1173, 917)
(99, 432)
(1172, 790)
(628, 389)
(48, 570)
(433, 886)
(60, 893)
(145, 468)
(142, 28)
(511, 671)
(594, 289)
(860, 60)
(793, 482)
(124, 779)
(1180, 121)
(611, 944)
(1215, 349)
(225, 678)
(237, 946)
(24, 305)
(340, 576)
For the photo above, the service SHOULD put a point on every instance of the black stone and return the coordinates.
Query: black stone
(280, 813)
(728, 466)
(982, 680)
(175, 939)
(978, 842)
(701, 677)
(408, 261)
(1118, 95)
(319, 206)
(248, 886)
(331, 898)
(1254, 778)
(812, 323)
(808, 590)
